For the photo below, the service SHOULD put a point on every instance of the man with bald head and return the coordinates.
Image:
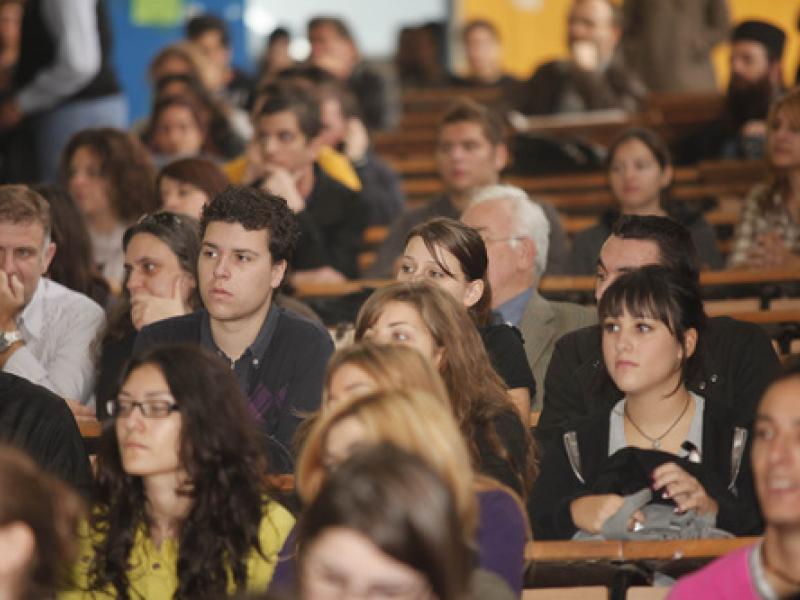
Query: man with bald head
(592, 77)
(739, 359)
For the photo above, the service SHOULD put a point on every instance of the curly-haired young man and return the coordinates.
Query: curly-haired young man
(279, 358)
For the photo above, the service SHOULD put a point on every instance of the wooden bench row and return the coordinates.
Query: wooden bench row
(559, 284)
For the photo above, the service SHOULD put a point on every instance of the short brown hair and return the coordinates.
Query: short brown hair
(199, 172)
(465, 109)
(20, 204)
(479, 24)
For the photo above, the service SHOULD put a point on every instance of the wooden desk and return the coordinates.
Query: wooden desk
(617, 550)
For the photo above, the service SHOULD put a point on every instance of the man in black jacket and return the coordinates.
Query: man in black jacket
(332, 218)
(278, 357)
(34, 419)
(739, 359)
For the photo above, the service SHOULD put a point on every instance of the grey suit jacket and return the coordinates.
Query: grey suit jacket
(543, 322)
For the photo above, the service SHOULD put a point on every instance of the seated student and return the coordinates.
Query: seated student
(185, 186)
(161, 253)
(334, 49)
(470, 154)
(248, 236)
(421, 424)
(432, 321)
(178, 128)
(453, 257)
(653, 326)
(739, 356)
(180, 508)
(35, 420)
(247, 167)
(228, 129)
(73, 265)
(38, 520)
(639, 171)
(593, 76)
(209, 35)
(46, 329)
(109, 175)
(483, 50)
(332, 217)
(770, 568)
(385, 524)
(516, 233)
(344, 131)
(768, 234)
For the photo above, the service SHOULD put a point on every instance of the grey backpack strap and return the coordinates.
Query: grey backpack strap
(616, 526)
(737, 452)
(573, 454)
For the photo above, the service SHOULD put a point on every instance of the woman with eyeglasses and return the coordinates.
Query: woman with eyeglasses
(181, 508)
(453, 257)
(160, 282)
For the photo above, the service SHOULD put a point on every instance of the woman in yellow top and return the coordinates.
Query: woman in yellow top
(180, 508)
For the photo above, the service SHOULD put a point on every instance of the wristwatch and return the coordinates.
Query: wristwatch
(7, 338)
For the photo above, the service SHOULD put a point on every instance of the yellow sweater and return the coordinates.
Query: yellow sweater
(332, 162)
(154, 572)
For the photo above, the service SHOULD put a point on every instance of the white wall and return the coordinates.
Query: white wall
(374, 23)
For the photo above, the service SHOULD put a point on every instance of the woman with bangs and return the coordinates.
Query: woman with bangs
(768, 234)
(660, 435)
(434, 323)
(453, 257)
(181, 507)
(420, 423)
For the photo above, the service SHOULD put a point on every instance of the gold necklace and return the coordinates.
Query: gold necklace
(656, 441)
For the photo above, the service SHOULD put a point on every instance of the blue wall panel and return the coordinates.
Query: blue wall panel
(135, 45)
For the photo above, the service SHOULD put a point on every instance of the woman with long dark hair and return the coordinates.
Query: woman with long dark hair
(453, 257)
(639, 171)
(181, 507)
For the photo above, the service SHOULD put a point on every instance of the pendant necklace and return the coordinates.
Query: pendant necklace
(655, 442)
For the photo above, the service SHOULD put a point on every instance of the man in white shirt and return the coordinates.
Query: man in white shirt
(46, 330)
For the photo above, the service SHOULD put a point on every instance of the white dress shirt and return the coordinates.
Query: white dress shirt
(58, 326)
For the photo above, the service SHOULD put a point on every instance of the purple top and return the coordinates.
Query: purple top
(727, 578)
(501, 543)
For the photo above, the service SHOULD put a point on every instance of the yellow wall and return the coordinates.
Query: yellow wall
(534, 31)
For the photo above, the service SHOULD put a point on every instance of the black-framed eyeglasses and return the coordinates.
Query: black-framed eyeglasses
(156, 409)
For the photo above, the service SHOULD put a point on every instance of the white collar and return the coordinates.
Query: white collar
(32, 316)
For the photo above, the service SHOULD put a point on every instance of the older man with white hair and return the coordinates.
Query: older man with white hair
(516, 231)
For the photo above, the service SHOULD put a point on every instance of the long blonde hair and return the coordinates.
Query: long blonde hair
(414, 421)
(778, 183)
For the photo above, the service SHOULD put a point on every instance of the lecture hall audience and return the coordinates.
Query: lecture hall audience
(167, 366)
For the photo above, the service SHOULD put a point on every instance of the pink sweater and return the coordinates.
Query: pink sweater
(727, 578)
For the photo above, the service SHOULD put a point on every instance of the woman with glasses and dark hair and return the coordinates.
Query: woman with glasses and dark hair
(160, 281)
(453, 257)
(181, 508)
